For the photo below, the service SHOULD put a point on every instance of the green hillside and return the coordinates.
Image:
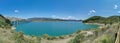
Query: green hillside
(99, 19)
(4, 22)
(9, 35)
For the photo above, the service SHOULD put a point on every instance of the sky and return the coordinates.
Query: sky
(65, 9)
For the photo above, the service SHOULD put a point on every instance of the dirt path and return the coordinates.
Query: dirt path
(57, 41)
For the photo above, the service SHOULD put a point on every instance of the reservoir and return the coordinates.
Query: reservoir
(53, 28)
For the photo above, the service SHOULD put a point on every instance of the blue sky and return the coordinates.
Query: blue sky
(66, 9)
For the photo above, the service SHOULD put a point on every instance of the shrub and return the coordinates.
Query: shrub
(45, 36)
(78, 31)
(78, 39)
(19, 38)
(106, 39)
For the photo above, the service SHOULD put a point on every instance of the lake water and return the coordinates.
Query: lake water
(53, 28)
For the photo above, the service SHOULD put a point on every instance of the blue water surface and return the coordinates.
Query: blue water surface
(52, 28)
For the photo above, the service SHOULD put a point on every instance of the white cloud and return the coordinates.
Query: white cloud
(91, 12)
(115, 6)
(67, 18)
(16, 11)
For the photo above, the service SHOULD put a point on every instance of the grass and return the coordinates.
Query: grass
(106, 39)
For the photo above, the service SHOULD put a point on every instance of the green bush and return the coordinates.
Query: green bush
(19, 38)
(4, 22)
(78, 39)
(45, 36)
(106, 39)
(78, 31)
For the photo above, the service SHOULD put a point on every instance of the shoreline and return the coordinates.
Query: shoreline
(63, 37)
(95, 23)
(13, 27)
(56, 21)
(100, 25)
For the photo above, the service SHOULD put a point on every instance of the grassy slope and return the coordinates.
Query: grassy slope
(8, 35)
(105, 34)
